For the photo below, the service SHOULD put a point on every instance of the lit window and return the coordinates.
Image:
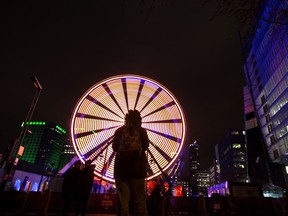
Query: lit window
(239, 165)
(17, 184)
(236, 145)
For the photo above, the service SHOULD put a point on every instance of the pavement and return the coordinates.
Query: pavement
(51, 214)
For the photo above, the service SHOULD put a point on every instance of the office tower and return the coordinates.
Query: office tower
(266, 72)
(194, 165)
(231, 154)
(258, 164)
(194, 159)
(203, 181)
(43, 144)
(67, 154)
(214, 171)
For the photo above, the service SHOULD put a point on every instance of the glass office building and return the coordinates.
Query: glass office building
(43, 143)
(231, 155)
(266, 72)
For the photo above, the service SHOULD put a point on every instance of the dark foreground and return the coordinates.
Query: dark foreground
(49, 203)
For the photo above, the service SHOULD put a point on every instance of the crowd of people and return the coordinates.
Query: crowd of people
(77, 186)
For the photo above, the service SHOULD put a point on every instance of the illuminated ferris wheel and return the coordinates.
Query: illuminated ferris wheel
(101, 110)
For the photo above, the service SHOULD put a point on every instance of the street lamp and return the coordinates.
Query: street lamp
(18, 143)
(31, 110)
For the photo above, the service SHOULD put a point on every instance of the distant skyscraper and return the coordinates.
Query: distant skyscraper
(194, 165)
(266, 72)
(203, 181)
(231, 154)
(66, 155)
(214, 173)
(194, 159)
(43, 143)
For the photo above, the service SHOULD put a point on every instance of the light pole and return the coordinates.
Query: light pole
(31, 110)
(24, 129)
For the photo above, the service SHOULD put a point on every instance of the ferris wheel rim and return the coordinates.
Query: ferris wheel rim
(128, 76)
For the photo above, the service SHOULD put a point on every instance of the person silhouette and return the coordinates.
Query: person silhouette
(130, 143)
(156, 207)
(85, 187)
(70, 186)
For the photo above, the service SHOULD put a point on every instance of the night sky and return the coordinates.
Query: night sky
(71, 45)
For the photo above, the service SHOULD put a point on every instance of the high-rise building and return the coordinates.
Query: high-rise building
(194, 159)
(258, 164)
(203, 181)
(194, 166)
(43, 144)
(214, 173)
(67, 154)
(231, 155)
(266, 72)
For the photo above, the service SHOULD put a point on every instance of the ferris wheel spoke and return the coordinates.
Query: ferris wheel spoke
(98, 148)
(125, 90)
(149, 168)
(154, 161)
(110, 93)
(151, 98)
(124, 86)
(165, 121)
(87, 116)
(96, 155)
(160, 151)
(142, 82)
(173, 138)
(95, 101)
(88, 133)
(108, 163)
(161, 108)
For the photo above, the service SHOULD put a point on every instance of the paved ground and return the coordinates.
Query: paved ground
(53, 214)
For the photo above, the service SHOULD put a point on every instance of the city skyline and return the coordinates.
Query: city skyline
(69, 48)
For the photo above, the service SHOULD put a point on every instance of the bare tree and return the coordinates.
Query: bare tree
(245, 11)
